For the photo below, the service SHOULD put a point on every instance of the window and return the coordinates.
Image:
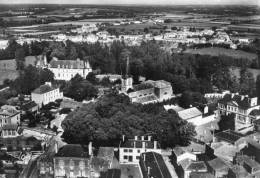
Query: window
(125, 157)
(130, 151)
(137, 157)
(138, 151)
(165, 93)
(125, 150)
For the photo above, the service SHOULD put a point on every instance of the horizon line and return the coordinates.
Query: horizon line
(131, 4)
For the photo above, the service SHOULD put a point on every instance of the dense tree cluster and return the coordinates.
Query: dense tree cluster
(106, 120)
(31, 78)
(80, 89)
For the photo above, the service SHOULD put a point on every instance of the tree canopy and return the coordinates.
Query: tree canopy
(105, 121)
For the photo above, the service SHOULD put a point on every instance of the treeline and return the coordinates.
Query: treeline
(185, 71)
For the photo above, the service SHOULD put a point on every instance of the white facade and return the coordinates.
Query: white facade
(45, 97)
(130, 151)
(9, 116)
(67, 69)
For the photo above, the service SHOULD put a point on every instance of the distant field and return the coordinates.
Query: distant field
(8, 74)
(223, 52)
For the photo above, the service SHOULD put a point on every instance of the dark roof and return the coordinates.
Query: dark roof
(138, 144)
(201, 175)
(247, 160)
(255, 112)
(44, 89)
(111, 173)
(236, 99)
(73, 150)
(28, 105)
(229, 136)
(142, 86)
(157, 166)
(197, 166)
(70, 64)
(217, 164)
(10, 127)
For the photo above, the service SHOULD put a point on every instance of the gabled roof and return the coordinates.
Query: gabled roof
(218, 164)
(189, 113)
(239, 100)
(155, 163)
(201, 175)
(229, 136)
(43, 89)
(69, 64)
(197, 166)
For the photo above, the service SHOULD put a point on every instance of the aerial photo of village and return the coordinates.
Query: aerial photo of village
(130, 89)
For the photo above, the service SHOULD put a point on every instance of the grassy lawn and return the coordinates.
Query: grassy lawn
(215, 51)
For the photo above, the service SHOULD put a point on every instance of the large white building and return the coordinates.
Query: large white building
(67, 69)
(46, 94)
(242, 106)
(9, 115)
(131, 149)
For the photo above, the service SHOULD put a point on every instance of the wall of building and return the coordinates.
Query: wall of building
(46, 98)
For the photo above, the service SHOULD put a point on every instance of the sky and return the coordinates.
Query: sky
(161, 2)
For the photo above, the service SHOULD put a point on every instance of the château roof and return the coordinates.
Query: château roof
(73, 150)
(43, 89)
(69, 64)
(237, 100)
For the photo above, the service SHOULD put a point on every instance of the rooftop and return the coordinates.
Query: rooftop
(73, 150)
(69, 64)
(247, 160)
(44, 89)
(155, 163)
(238, 100)
(111, 173)
(228, 136)
(145, 99)
(197, 166)
(189, 113)
(218, 164)
(201, 175)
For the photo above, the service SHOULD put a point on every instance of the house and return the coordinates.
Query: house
(131, 149)
(29, 106)
(46, 94)
(225, 151)
(67, 69)
(218, 167)
(147, 92)
(192, 115)
(9, 131)
(248, 163)
(153, 165)
(74, 160)
(9, 115)
(241, 106)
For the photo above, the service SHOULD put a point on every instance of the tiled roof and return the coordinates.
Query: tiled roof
(43, 89)
(236, 99)
(156, 164)
(73, 150)
(201, 175)
(185, 163)
(197, 166)
(189, 113)
(255, 112)
(247, 160)
(218, 164)
(28, 105)
(229, 136)
(69, 64)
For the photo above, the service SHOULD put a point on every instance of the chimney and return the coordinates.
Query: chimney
(136, 137)
(142, 137)
(143, 144)
(206, 110)
(123, 138)
(232, 95)
(90, 148)
(149, 170)
(48, 83)
(149, 138)
(144, 157)
(242, 97)
(56, 147)
(134, 144)
(155, 144)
